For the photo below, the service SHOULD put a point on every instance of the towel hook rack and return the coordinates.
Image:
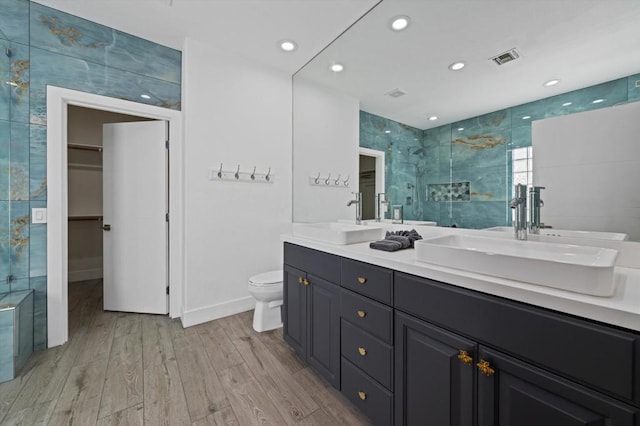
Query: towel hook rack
(326, 181)
(268, 176)
(220, 171)
(237, 175)
(346, 181)
(253, 174)
(337, 181)
(317, 180)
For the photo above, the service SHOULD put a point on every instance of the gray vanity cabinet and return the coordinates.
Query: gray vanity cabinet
(434, 375)
(311, 311)
(517, 393)
(366, 338)
(407, 350)
(526, 365)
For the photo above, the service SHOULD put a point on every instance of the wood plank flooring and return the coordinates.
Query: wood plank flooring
(134, 369)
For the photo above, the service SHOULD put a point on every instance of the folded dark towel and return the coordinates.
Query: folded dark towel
(411, 235)
(386, 245)
(405, 241)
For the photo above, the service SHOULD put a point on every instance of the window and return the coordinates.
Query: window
(522, 159)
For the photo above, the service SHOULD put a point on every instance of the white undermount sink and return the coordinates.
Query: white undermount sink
(581, 269)
(551, 232)
(337, 233)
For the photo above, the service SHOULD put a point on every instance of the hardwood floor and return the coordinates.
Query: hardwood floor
(135, 369)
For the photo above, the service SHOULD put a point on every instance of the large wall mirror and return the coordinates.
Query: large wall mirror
(456, 141)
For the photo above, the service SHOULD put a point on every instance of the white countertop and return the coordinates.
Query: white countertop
(621, 309)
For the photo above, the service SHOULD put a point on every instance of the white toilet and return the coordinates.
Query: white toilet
(266, 288)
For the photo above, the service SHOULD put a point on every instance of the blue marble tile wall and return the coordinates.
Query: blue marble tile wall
(40, 46)
(476, 150)
(405, 160)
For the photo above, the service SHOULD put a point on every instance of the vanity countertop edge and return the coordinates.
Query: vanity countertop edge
(622, 309)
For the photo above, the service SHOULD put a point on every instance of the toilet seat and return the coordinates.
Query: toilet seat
(266, 279)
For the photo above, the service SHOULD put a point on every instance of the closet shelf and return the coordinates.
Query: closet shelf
(84, 147)
(84, 218)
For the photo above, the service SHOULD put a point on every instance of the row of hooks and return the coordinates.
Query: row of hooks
(337, 182)
(237, 175)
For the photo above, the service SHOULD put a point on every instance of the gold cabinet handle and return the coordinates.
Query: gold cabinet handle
(485, 368)
(300, 279)
(362, 395)
(362, 351)
(362, 280)
(305, 281)
(464, 357)
(362, 314)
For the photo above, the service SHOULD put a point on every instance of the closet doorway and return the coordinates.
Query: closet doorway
(371, 180)
(60, 103)
(117, 204)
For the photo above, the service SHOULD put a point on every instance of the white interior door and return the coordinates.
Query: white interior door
(134, 208)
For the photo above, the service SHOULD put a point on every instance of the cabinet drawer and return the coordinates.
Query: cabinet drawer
(370, 280)
(370, 397)
(591, 353)
(368, 353)
(323, 265)
(367, 314)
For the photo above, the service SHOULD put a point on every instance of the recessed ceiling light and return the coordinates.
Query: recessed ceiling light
(526, 117)
(567, 103)
(597, 101)
(456, 66)
(551, 82)
(433, 118)
(460, 129)
(387, 131)
(288, 45)
(400, 23)
(145, 96)
(337, 67)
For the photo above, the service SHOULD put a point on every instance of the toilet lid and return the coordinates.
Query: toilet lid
(267, 278)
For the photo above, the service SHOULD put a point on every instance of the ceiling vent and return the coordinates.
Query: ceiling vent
(505, 57)
(396, 93)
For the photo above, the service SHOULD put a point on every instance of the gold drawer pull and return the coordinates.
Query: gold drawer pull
(305, 281)
(362, 314)
(464, 357)
(362, 351)
(300, 279)
(485, 368)
(362, 280)
(362, 395)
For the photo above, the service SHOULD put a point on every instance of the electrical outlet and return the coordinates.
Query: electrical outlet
(39, 215)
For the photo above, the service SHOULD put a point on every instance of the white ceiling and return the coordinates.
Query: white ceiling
(248, 28)
(580, 42)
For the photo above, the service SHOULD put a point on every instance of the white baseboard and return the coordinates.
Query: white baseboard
(84, 275)
(220, 310)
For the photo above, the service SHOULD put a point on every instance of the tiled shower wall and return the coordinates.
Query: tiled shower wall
(473, 153)
(40, 46)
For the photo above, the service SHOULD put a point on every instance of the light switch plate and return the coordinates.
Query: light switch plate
(39, 215)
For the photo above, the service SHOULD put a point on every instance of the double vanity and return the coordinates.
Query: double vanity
(470, 327)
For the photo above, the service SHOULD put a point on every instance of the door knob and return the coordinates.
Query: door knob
(106, 227)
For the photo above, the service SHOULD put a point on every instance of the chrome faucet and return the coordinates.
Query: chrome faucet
(519, 204)
(381, 201)
(534, 209)
(358, 203)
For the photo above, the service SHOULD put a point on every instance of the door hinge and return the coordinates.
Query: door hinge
(167, 289)
(166, 217)
(166, 144)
